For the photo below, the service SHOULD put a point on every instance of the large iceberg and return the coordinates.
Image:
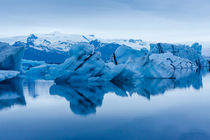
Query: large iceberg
(10, 61)
(85, 64)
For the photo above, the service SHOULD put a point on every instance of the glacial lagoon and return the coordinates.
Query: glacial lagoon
(140, 109)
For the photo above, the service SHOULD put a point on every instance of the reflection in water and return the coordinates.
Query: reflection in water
(151, 87)
(11, 93)
(85, 97)
(31, 88)
(83, 100)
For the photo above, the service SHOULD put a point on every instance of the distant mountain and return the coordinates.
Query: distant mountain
(51, 48)
(54, 47)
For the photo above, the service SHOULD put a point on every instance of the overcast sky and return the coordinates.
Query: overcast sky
(155, 20)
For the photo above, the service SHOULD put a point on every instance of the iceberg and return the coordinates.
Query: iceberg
(73, 58)
(10, 57)
(10, 61)
(106, 49)
(149, 65)
(41, 72)
(192, 53)
(28, 64)
(125, 54)
(166, 65)
(85, 64)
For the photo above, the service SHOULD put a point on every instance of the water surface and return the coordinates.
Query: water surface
(139, 109)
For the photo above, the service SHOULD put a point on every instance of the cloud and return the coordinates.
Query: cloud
(150, 19)
(161, 8)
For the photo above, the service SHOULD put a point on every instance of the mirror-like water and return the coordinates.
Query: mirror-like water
(139, 109)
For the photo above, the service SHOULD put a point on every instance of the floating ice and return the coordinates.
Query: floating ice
(7, 74)
(192, 53)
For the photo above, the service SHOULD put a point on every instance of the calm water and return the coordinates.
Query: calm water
(140, 109)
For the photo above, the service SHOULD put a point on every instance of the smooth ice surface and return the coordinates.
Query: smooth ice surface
(140, 109)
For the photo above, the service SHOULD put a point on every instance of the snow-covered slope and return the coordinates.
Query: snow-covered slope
(55, 37)
(51, 48)
(59, 41)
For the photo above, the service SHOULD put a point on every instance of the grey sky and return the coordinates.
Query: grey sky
(159, 20)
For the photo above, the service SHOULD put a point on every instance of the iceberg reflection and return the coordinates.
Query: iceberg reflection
(31, 85)
(85, 97)
(11, 93)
